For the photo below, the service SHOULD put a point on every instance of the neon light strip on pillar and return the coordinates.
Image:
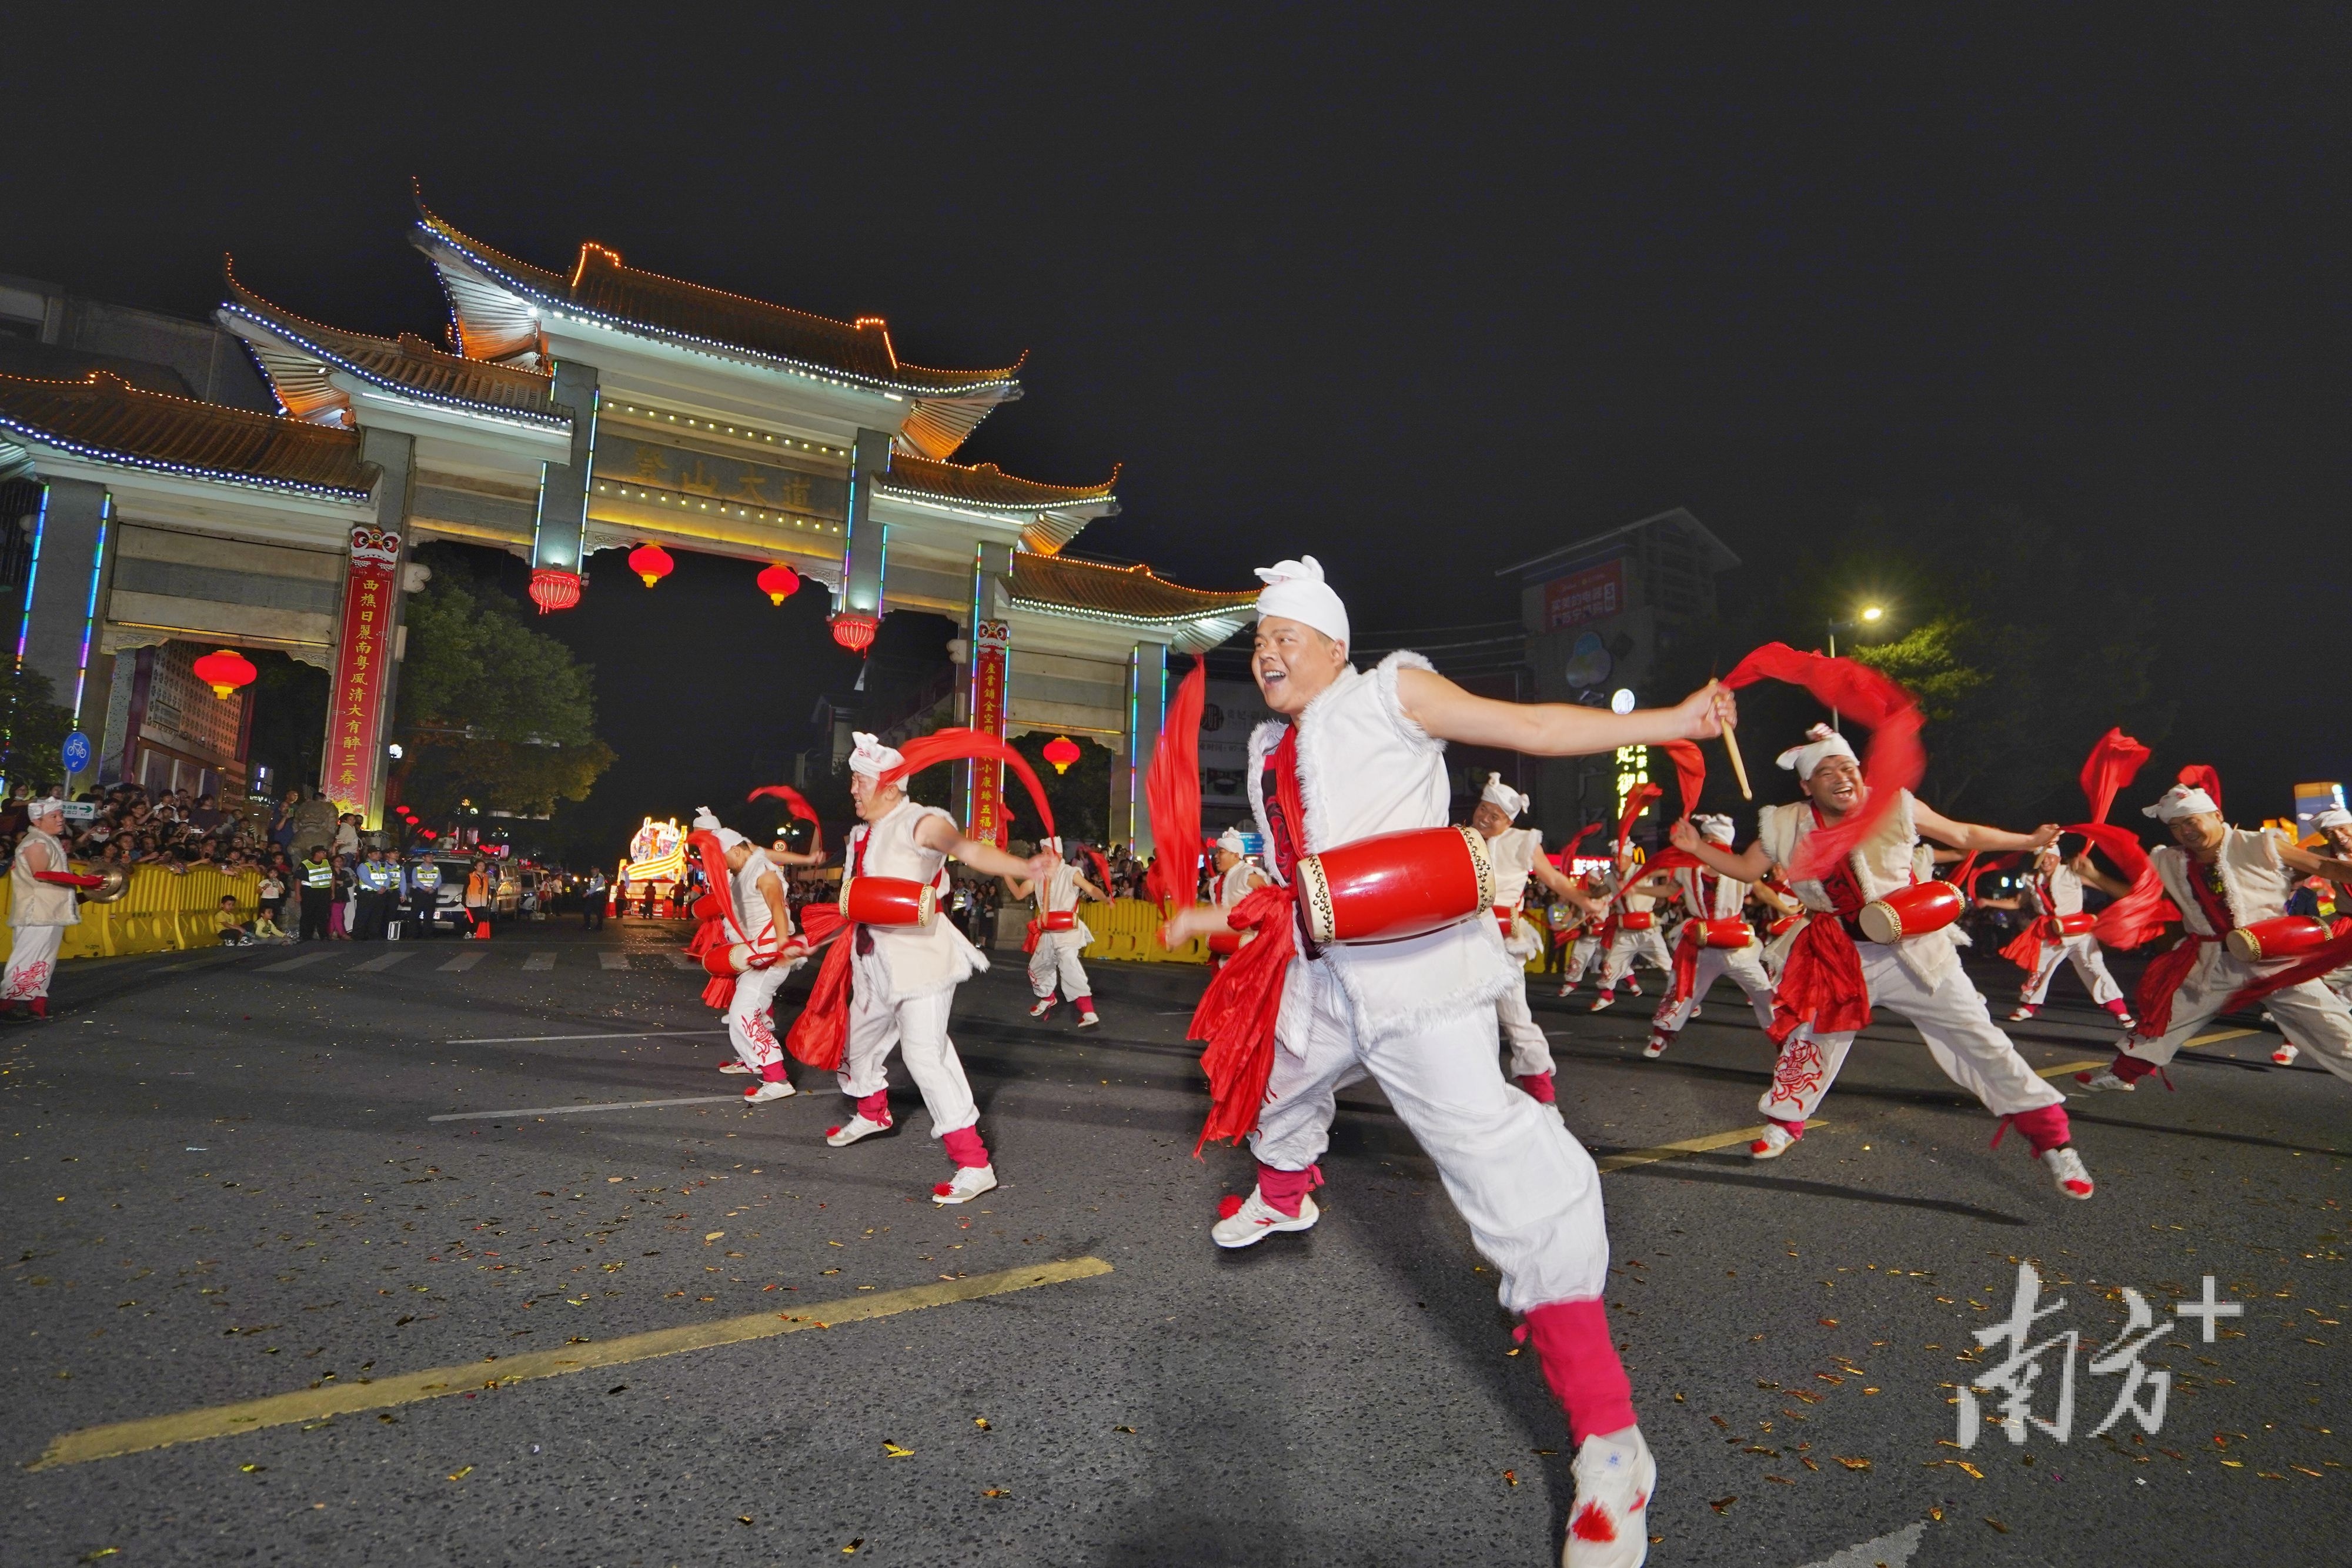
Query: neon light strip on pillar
(89, 610)
(971, 703)
(32, 577)
(588, 473)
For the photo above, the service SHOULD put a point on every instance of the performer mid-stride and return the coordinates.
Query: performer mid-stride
(1713, 939)
(1359, 756)
(755, 914)
(1518, 854)
(1836, 975)
(1058, 937)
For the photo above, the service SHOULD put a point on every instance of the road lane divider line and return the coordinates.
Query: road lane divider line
(1707, 1145)
(2063, 1068)
(536, 1039)
(575, 1110)
(378, 964)
(123, 1437)
(613, 959)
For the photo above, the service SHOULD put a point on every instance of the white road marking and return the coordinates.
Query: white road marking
(297, 961)
(377, 966)
(613, 959)
(575, 1110)
(536, 1039)
(1887, 1552)
(462, 962)
(539, 961)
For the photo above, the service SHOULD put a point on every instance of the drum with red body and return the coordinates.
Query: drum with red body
(2284, 936)
(1394, 886)
(1061, 920)
(1784, 925)
(1722, 932)
(1912, 910)
(2078, 924)
(889, 901)
(707, 907)
(724, 959)
(1225, 943)
(1636, 919)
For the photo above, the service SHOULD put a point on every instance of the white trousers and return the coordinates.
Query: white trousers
(1951, 1018)
(1530, 1051)
(917, 1027)
(1646, 946)
(31, 962)
(1056, 958)
(749, 1028)
(1581, 955)
(2090, 968)
(2311, 1015)
(1745, 967)
(1530, 1193)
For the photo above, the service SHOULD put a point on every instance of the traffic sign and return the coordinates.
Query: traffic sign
(76, 751)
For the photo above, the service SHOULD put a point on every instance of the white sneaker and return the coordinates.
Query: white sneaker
(1568, 990)
(733, 1067)
(1632, 988)
(1609, 1525)
(1088, 1021)
(1257, 1219)
(1698, 1010)
(2104, 1077)
(2286, 1053)
(2022, 1013)
(1045, 1006)
(1603, 1000)
(1658, 1043)
(856, 1127)
(2066, 1170)
(760, 1093)
(970, 1182)
(1772, 1145)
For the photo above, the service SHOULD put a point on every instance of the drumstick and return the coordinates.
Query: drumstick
(1738, 768)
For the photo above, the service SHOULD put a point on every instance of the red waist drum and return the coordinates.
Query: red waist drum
(1225, 943)
(2075, 924)
(889, 901)
(1723, 931)
(1061, 920)
(1912, 910)
(1394, 886)
(723, 958)
(2284, 936)
(706, 907)
(1636, 920)
(1784, 925)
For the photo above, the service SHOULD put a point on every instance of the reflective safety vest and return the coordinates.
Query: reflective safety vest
(378, 877)
(426, 875)
(317, 874)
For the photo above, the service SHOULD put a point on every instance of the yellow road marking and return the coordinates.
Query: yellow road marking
(1712, 1141)
(2064, 1068)
(435, 1383)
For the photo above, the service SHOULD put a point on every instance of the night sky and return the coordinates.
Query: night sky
(1423, 296)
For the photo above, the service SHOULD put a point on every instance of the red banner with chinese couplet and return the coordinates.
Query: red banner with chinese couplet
(990, 640)
(363, 663)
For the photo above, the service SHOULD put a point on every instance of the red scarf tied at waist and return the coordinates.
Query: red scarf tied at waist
(2165, 972)
(1822, 983)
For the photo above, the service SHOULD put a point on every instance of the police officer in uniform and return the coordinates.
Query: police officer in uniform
(317, 875)
(425, 890)
(379, 882)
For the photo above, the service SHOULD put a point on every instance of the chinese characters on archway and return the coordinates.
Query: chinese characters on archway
(363, 659)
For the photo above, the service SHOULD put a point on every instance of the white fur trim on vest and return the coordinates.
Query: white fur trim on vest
(33, 902)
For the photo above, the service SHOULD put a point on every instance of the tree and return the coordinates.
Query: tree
(32, 746)
(490, 711)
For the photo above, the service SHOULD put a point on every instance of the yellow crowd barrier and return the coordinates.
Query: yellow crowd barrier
(162, 912)
(1129, 928)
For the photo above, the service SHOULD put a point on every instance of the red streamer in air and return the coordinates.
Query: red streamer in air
(799, 806)
(1171, 793)
(968, 745)
(1637, 801)
(1892, 762)
(1690, 771)
(2115, 761)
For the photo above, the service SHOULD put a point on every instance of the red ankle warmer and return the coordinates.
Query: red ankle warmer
(1538, 1086)
(875, 1107)
(2045, 1129)
(1571, 1344)
(1283, 1189)
(964, 1147)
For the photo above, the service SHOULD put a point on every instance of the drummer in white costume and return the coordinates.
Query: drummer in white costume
(1237, 874)
(1062, 938)
(762, 922)
(1365, 753)
(1835, 977)
(2054, 893)
(2222, 879)
(903, 977)
(1638, 896)
(1701, 895)
(1518, 854)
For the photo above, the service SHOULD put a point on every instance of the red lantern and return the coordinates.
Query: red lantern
(779, 583)
(225, 672)
(553, 589)
(651, 562)
(855, 631)
(1061, 751)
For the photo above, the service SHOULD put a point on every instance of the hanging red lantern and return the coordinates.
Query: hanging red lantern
(855, 631)
(651, 562)
(1061, 751)
(555, 589)
(225, 672)
(779, 583)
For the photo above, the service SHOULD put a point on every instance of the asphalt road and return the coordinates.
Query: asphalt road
(228, 1179)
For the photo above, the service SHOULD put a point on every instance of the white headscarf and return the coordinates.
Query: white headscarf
(1499, 794)
(707, 821)
(1821, 743)
(870, 757)
(1230, 842)
(1714, 830)
(2180, 800)
(2334, 816)
(35, 809)
(1296, 591)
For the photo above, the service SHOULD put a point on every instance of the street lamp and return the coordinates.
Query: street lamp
(1868, 615)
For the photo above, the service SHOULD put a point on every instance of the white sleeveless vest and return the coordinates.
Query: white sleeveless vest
(2254, 881)
(907, 960)
(1882, 863)
(33, 902)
